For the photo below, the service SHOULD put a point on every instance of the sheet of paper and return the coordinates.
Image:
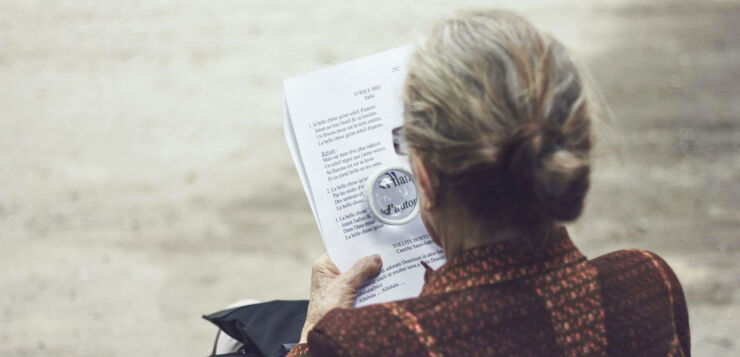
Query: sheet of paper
(338, 125)
(295, 153)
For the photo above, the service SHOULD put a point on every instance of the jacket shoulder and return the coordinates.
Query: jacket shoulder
(642, 296)
(370, 330)
(632, 266)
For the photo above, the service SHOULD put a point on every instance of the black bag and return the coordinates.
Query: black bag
(268, 329)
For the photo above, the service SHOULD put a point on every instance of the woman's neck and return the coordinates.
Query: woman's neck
(459, 232)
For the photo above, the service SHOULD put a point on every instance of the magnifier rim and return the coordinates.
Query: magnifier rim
(371, 199)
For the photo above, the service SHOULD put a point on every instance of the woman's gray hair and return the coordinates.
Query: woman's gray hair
(499, 112)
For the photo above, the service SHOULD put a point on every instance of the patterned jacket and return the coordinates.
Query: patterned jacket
(502, 300)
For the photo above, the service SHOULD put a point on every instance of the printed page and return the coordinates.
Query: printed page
(341, 120)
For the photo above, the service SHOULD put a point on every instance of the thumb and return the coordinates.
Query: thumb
(364, 269)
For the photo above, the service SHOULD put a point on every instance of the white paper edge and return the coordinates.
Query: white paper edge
(296, 154)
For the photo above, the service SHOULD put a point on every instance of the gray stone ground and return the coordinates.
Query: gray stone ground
(144, 178)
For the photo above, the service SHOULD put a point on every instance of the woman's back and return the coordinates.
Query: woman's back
(501, 300)
(497, 121)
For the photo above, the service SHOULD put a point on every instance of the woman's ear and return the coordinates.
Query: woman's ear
(424, 180)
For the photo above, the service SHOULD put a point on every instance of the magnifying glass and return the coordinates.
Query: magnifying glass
(392, 196)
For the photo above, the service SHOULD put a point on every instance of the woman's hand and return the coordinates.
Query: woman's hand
(330, 288)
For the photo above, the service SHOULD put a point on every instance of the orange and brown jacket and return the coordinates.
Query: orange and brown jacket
(502, 300)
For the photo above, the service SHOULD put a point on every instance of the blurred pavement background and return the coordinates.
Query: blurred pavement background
(145, 180)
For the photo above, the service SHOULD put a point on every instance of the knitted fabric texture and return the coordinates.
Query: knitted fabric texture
(502, 300)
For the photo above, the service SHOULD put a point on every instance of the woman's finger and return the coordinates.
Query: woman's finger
(364, 269)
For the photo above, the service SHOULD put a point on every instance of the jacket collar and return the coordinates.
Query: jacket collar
(500, 262)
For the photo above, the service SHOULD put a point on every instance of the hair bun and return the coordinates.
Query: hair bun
(561, 184)
(554, 179)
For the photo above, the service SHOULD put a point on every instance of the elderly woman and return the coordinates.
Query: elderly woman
(497, 120)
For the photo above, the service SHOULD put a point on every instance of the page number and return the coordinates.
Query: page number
(395, 69)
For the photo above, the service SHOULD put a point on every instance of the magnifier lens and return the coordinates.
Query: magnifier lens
(392, 196)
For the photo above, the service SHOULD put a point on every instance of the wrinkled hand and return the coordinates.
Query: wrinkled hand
(331, 289)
